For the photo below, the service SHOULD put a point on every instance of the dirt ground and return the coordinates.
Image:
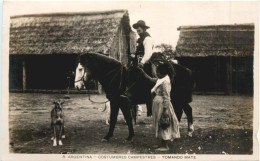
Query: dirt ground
(223, 125)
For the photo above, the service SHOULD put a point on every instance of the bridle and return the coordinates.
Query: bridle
(81, 79)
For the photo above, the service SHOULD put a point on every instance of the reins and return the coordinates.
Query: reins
(107, 74)
(81, 79)
(121, 74)
(96, 101)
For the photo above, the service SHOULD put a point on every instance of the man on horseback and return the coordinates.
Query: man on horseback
(144, 51)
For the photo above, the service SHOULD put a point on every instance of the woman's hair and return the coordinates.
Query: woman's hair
(166, 69)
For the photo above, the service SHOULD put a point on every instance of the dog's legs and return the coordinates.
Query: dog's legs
(52, 132)
(63, 131)
(54, 136)
(60, 136)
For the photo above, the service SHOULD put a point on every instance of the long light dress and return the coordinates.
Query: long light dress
(163, 100)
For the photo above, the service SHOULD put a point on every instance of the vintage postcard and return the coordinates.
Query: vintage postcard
(130, 80)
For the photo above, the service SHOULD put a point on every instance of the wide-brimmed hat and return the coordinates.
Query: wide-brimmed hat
(140, 23)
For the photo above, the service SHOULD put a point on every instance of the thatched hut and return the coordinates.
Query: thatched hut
(220, 56)
(44, 47)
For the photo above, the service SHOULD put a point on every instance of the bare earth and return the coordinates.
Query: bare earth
(223, 125)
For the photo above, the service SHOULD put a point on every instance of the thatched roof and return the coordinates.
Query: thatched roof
(217, 40)
(66, 33)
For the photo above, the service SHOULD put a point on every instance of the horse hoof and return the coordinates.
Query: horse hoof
(129, 139)
(52, 138)
(63, 136)
(104, 140)
(191, 128)
(60, 142)
(54, 144)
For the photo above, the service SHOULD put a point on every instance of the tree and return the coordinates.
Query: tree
(167, 50)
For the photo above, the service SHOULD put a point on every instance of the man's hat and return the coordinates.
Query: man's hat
(141, 24)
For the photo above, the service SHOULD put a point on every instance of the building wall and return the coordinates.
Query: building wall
(218, 74)
(44, 72)
(15, 72)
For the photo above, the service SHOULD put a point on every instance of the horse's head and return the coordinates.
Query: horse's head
(81, 77)
(97, 66)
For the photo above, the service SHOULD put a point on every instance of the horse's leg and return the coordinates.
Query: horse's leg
(178, 110)
(113, 119)
(133, 111)
(149, 102)
(188, 111)
(127, 115)
(52, 131)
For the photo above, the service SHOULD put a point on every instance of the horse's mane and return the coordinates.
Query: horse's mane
(88, 58)
(98, 62)
(108, 71)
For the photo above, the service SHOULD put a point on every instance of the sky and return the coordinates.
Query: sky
(163, 17)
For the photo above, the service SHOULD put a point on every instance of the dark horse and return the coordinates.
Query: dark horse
(126, 88)
(123, 87)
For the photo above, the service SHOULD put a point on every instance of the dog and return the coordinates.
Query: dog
(57, 122)
(106, 110)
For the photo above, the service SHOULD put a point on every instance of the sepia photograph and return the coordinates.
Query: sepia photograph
(130, 80)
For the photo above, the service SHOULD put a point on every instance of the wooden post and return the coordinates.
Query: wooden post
(229, 75)
(100, 91)
(24, 75)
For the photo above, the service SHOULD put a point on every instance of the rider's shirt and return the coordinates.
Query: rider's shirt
(144, 47)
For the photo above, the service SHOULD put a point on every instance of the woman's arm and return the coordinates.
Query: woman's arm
(159, 82)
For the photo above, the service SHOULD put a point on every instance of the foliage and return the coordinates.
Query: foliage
(167, 50)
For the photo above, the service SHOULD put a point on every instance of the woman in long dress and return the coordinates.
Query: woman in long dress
(162, 107)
